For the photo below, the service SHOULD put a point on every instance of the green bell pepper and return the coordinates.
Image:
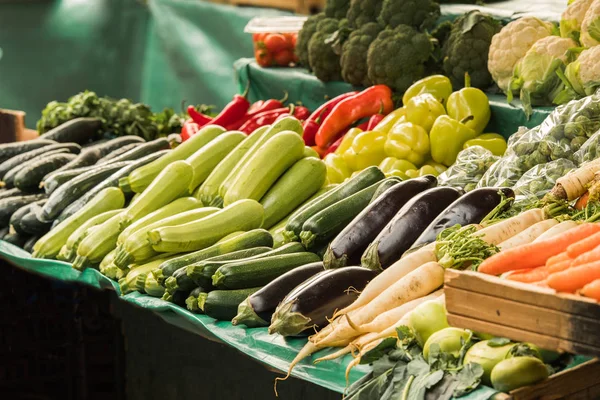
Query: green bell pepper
(439, 168)
(447, 139)
(491, 141)
(423, 110)
(409, 142)
(470, 106)
(437, 85)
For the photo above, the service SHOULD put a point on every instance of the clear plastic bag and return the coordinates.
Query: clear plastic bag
(590, 150)
(470, 165)
(540, 179)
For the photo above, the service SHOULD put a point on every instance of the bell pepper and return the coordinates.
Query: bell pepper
(428, 170)
(392, 166)
(189, 129)
(437, 85)
(337, 170)
(347, 140)
(437, 166)
(423, 110)
(408, 141)
(470, 106)
(447, 139)
(412, 173)
(367, 149)
(386, 124)
(491, 141)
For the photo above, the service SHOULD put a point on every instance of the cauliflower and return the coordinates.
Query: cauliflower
(322, 59)
(337, 8)
(467, 47)
(354, 54)
(308, 30)
(397, 56)
(590, 28)
(582, 76)
(510, 45)
(363, 11)
(420, 14)
(572, 17)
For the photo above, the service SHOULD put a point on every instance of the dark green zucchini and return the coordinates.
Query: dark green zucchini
(78, 130)
(73, 190)
(108, 147)
(28, 246)
(32, 225)
(30, 176)
(86, 158)
(9, 178)
(54, 180)
(11, 204)
(141, 150)
(4, 193)
(17, 216)
(16, 239)
(191, 302)
(22, 158)
(223, 304)
(9, 150)
(115, 153)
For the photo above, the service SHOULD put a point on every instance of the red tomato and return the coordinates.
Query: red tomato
(263, 58)
(291, 38)
(284, 57)
(275, 42)
(259, 37)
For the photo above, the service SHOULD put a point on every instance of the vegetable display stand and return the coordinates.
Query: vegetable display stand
(522, 312)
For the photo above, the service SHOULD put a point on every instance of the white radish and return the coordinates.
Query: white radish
(329, 328)
(501, 231)
(528, 235)
(337, 354)
(557, 230)
(574, 184)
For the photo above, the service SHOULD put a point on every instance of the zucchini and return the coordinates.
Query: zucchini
(140, 282)
(8, 180)
(178, 298)
(208, 157)
(230, 236)
(32, 225)
(17, 216)
(78, 130)
(262, 170)
(138, 151)
(111, 181)
(70, 247)
(20, 159)
(130, 282)
(247, 240)
(4, 193)
(76, 188)
(152, 287)
(9, 150)
(191, 303)
(99, 241)
(310, 152)
(298, 183)
(327, 223)
(50, 244)
(222, 304)
(108, 269)
(28, 246)
(360, 181)
(259, 272)
(242, 215)
(209, 190)
(16, 239)
(29, 178)
(142, 177)
(11, 204)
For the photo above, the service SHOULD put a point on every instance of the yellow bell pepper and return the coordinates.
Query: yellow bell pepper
(412, 173)
(367, 149)
(437, 85)
(470, 106)
(491, 141)
(392, 166)
(447, 139)
(409, 142)
(386, 124)
(347, 140)
(423, 110)
(337, 170)
(437, 166)
(428, 170)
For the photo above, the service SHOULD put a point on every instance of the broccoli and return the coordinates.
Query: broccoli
(363, 11)
(420, 14)
(324, 62)
(354, 54)
(308, 30)
(467, 47)
(337, 8)
(397, 56)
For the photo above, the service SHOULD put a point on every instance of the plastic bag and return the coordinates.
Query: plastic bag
(470, 165)
(589, 151)
(540, 179)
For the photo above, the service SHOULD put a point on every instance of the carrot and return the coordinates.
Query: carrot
(561, 266)
(501, 231)
(573, 185)
(592, 290)
(575, 277)
(582, 202)
(586, 258)
(556, 230)
(508, 274)
(537, 253)
(584, 245)
(558, 258)
(531, 276)
(528, 235)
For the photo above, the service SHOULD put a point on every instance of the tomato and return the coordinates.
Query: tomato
(259, 37)
(284, 58)
(276, 42)
(291, 38)
(263, 58)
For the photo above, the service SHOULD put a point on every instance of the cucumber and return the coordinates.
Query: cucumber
(28, 246)
(76, 188)
(16, 239)
(29, 178)
(310, 152)
(20, 159)
(208, 192)
(135, 151)
(4, 193)
(243, 274)
(360, 181)
(208, 157)
(50, 244)
(78, 130)
(142, 177)
(99, 241)
(8, 180)
(385, 185)
(11, 204)
(17, 216)
(9, 150)
(332, 220)
(115, 144)
(247, 240)
(284, 124)
(243, 215)
(111, 181)
(298, 183)
(175, 178)
(191, 303)
(116, 153)
(82, 163)
(70, 247)
(32, 225)
(222, 304)
(152, 288)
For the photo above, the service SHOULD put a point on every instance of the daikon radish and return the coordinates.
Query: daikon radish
(501, 231)
(574, 184)
(528, 235)
(556, 230)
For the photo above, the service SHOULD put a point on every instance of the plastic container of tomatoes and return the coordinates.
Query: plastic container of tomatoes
(275, 40)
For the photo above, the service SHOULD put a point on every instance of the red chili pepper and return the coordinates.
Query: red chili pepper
(337, 143)
(320, 113)
(255, 106)
(364, 104)
(374, 120)
(234, 111)
(271, 104)
(310, 131)
(301, 113)
(363, 126)
(197, 116)
(189, 129)
(262, 119)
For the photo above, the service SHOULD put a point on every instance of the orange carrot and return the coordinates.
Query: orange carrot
(586, 258)
(557, 267)
(508, 274)
(531, 276)
(584, 245)
(535, 254)
(558, 258)
(575, 277)
(592, 290)
(581, 202)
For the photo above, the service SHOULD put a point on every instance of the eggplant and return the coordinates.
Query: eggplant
(258, 308)
(313, 302)
(468, 209)
(406, 226)
(351, 243)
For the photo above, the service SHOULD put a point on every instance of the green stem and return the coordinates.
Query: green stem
(407, 388)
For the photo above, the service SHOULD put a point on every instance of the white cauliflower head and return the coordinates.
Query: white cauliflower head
(584, 73)
(590, 27)
(510, 45)
(572, 18)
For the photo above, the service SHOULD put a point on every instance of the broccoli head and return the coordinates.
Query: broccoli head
(420, 14)
(308, 30)
(467, 48)
(337, 8)
(363, 11)
(324, 62)
(354, 54)
(397, 56)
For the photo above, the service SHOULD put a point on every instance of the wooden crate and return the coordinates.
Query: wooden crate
(12, 127)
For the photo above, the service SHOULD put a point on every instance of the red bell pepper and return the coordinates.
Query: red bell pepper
(189, 129)
(197, 116)
(310, 131)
